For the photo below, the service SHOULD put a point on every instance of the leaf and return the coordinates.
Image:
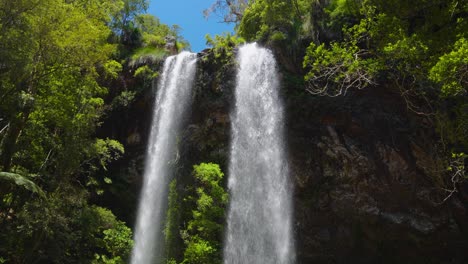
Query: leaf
(22, 181)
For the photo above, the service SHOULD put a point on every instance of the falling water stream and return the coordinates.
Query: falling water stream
(260, 212)
(172, 100)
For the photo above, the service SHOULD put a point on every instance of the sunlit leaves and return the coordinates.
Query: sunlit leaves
(112, 69)
(223, 47)
(452, 70)
(343, 65)
(107, 150)
(202, 236)
(264, 17)
(199, 251)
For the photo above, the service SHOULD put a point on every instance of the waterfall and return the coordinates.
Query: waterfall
(172, 100)
(260, 212)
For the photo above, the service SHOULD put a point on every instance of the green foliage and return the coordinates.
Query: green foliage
(123, 18)
(223, 46)
(100, 155)
(173, 214)
(452, 124)
(385, 38)
(195, 217)
(152, 49)
(154, 42)
(208, 174)
(118, 240)
(345, 64)
(112, 69)
(21, 181)
(63, 228)
(145, 72)
(452, 70)
(103, 259)
(153, 32)
(336, 69)
(56, 57)
(456, 174)
(204, 232)
(265, 17)
(116, 243)
(282, 25)
(147, 55)
(123, 100)
(199, 251)
(171, 261)
(343, 10)
(107, 150)
(54, 73)
(278, 20)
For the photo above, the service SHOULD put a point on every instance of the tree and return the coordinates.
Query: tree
(52, 53)
(49, 85)
(123, 20)
(385, 38)
(451, 70)
(231, 11)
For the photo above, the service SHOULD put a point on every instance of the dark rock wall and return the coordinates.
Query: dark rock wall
(366, 173)
(366, 183)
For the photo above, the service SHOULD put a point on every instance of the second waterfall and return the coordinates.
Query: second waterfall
(172, 100)
(260, 213)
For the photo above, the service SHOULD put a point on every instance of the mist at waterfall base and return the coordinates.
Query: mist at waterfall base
(172, 100)
(260, 212)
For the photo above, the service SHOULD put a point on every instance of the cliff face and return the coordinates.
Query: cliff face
(366, 173)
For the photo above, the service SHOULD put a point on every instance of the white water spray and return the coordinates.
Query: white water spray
(259, 221)
(173, 97)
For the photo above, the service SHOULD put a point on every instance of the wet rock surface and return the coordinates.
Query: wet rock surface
(366, 191)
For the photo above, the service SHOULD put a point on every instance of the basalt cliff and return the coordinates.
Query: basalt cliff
(368, 183)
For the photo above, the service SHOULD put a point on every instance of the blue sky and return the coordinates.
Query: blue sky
(188, 14)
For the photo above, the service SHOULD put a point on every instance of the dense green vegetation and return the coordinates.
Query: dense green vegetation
(63, 66)
(196, 216)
